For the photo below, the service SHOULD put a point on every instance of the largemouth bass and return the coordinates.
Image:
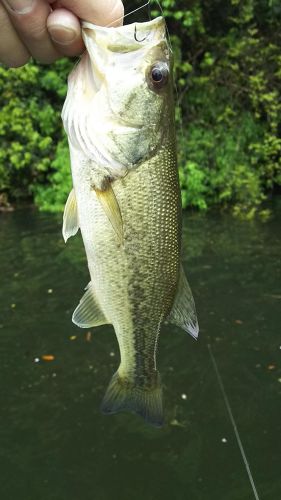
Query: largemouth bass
(119, 118)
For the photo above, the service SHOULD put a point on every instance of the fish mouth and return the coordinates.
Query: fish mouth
(128, 37)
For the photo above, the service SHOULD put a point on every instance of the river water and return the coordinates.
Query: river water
(54, 442)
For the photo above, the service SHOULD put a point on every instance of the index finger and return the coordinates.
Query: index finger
(101, 12)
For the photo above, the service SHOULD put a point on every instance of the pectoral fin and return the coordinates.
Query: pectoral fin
(183, 313)
(111, 208)
(70, 217)
(88, 312)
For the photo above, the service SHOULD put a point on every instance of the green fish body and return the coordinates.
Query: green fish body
(119, 117)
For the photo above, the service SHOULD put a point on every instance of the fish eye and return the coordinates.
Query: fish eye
(159, 75)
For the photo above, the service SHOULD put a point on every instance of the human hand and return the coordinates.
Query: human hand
(49, 29)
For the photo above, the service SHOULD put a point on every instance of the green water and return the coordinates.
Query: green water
(55, 444)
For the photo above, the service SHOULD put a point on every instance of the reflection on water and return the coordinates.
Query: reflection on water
(55, 444)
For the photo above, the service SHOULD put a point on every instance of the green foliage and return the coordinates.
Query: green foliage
(52, 197)
(228, 73)
(31, 132)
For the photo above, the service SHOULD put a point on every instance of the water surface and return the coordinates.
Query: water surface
(55, 444)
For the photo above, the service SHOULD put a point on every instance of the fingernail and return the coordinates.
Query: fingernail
(19, 6)
(62, 35)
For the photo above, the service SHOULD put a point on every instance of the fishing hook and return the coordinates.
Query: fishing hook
(135, 36)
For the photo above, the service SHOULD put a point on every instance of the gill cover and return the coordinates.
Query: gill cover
(113, 112)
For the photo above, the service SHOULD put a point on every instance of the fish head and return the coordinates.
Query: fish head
(126, 107)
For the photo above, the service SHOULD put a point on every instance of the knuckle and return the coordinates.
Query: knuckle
(36, 33)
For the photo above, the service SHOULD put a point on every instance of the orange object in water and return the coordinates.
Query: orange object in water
(48, 357)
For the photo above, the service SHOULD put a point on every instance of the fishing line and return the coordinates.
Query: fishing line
(236, 432)
(147, 4)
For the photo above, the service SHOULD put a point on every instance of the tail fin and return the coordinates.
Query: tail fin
(123, 396)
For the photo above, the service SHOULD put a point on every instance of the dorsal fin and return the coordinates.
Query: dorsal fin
(183, 313)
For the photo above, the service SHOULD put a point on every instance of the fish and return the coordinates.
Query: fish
(119, 117)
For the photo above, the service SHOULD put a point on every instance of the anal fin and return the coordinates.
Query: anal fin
(183, 313)
(70, 217)
(88, 312)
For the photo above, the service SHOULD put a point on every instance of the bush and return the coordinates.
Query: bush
(228, 73)
(31, 131)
